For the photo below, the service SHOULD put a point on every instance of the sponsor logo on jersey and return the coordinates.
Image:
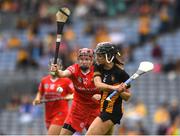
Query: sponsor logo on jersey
(80, 80)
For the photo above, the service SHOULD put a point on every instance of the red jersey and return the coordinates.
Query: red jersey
(84, 86)
(57, 88)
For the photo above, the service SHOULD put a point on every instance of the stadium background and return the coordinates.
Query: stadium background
(144, 29)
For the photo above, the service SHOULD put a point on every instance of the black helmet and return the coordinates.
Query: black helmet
(106, 48)
(109, 49)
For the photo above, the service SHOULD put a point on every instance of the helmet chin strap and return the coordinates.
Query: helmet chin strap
(109, 61)
(53, 74)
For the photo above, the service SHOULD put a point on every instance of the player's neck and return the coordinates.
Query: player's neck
(108, 66)
(53, 78)
(85, 72)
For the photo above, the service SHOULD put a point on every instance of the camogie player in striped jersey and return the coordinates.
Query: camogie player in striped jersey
(109, 75)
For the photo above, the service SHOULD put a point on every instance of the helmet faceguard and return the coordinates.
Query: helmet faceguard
(108, 49)
(85, 58)
(59, 65)
(86, 52)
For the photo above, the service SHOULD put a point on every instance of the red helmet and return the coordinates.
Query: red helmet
(86, 52)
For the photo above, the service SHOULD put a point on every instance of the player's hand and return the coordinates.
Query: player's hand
(115, 87)
(96, 97)
(122, 88)
(36, 101)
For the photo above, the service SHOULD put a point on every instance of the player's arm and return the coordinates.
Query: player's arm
(105, 87)
(63, 73)
(60, 73)
(37, 99)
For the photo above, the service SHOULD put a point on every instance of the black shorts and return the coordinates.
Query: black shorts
(69, 127)
(109, 116)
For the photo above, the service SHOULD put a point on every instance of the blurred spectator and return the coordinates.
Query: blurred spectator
(115, 6)
(101, 35)
(141, 129)
(14, 103)
(144, 28)
(21, 24)
(136, 113)
(14, 42)
(81, 9)
(3, 43)
(122, 129)
(174, 129)
(117, 37)
(26, 110)
(169, 66)
(69, 35)
(177, 65)
(22, 59)
(64, 53)
(164, 19)
(162, 118)
(34, 50)
(174, 110)
(97, 8)
(127, 54)
(156, 52)
(145, 8)
(90, 28)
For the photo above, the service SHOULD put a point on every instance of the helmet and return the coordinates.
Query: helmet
(59, 62)
(59, 65)
(83, 54)
(109, 49)
(86, 52)
(106, 48)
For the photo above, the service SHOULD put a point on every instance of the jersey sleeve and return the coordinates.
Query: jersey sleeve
(72, 69)
(70, 87)
(97, 70)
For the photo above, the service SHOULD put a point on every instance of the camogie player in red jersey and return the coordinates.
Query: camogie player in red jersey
(52, 87)
(85, 106)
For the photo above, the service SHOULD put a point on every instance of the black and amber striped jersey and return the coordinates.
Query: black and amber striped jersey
(113, 76)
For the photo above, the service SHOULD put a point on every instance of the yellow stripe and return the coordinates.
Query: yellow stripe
(97, 74)
(105, 94)
(111, 103)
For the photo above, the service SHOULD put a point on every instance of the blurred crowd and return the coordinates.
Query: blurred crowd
(166, 118)
(32, 34)
(34, 31)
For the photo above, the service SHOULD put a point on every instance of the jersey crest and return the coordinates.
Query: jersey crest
(59, 89)
(46, 86)
(80, 80)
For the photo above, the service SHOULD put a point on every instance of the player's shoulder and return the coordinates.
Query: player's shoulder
(73, 67)
(120, 69)
(98, 67)
(47, 77)
(65, 79)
